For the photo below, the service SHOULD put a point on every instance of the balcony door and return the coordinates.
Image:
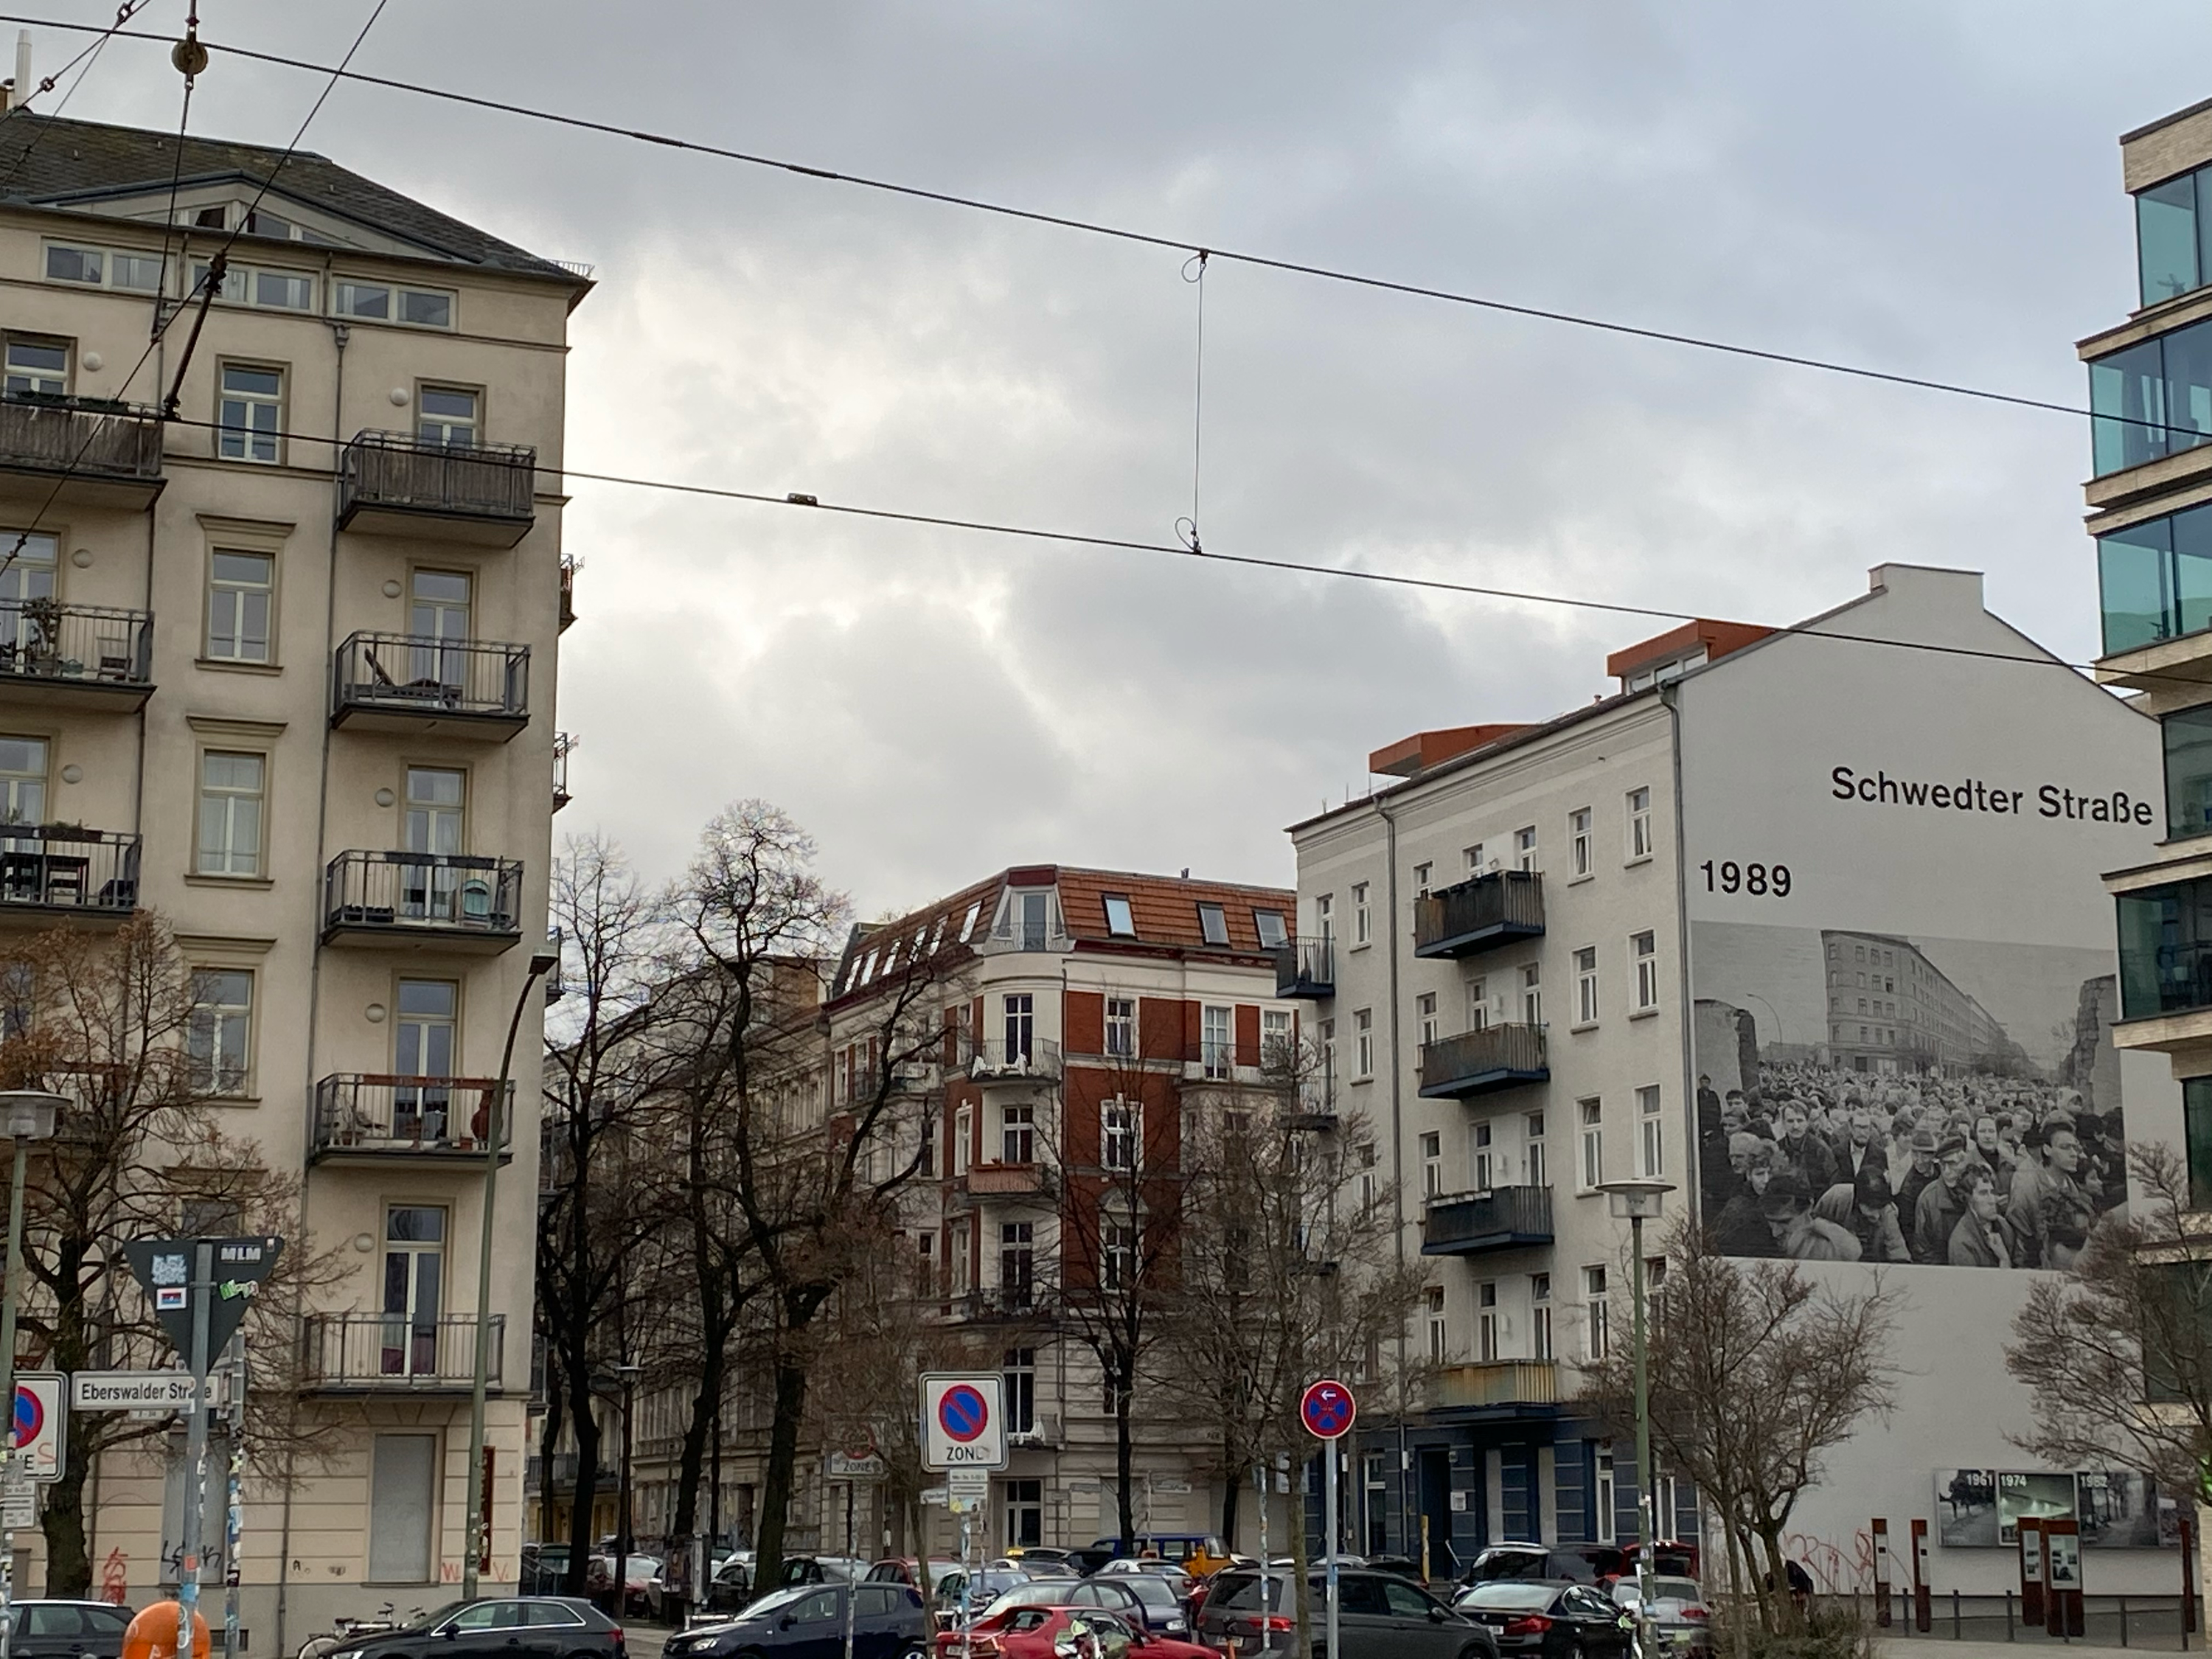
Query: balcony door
(22, 801)
(414, 1289)
(438, 625)
(28, 625)
(433, 824)
(422, 1047)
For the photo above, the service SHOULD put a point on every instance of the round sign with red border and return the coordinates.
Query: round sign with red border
(961, 1413)
(1327, 1409)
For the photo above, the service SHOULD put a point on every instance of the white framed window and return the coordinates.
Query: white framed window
(1369, 1189)
(1639, 824)
(1213, 924)
(451, 415)
(1424, 877)
(1122, 1026)
(1432, 1162)
(964, 1135)
(1486, 1320)
(1017, 1262)
(1473, 855)
(925, 1265)
(37, 367)
(1017, 1134)
(1650, 1142)
(1021, 1390)
(1275, 1037)
(1578, 841)
(23, 780)
(1360, 919)
(1433, 1297)
(1597, 1322)
(219, 1037)
(1531, 1133)
(1477, 1004)
(240, 589)
(1603, 1494)
(1532, 995)
(382, 302)
(1643, 952)
(1481, 1165)
(1121, 918)
(1539, 1315)
(1119, 1123)
(100, 267)
(1018, 1012)
(960, 1260)
(1269, 925)
(1586, 986)
(1216, 1043)
(1524, 848)
(250, 413)
(1117, 1256)
(1591, 1115)
(233, 787)
(1327, 1031)
(1363, 1041)
(264, 289)
(1424, 1013)
(1325, 917)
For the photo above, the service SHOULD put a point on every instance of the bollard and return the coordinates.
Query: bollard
(2123, 1621)
(1955, 1615)
(2007, 1615)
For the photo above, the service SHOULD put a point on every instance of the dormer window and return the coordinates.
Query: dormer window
(1120, 921)
(1273, 935)
(1213, 924)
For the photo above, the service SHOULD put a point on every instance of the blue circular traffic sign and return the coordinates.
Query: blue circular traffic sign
(962, 1413)
(1327, 1409)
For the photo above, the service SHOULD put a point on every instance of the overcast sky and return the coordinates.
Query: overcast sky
(1929, 186)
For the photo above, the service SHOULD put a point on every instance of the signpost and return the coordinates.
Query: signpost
(1327, 1410)
(41, 1424)
(964, 1432)
(147, 1391)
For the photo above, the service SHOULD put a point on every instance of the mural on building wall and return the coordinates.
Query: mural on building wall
(1866, 1097)
(2117, 1508)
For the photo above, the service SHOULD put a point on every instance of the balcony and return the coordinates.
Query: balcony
(75, 656)
(365, 1116)
(1035, 1061)
(80, 452)
(377, 1353)
(1003, 1183)
(563, 744)
(391, 484)
(1499, 908)
(999, 1302)
(437, 900)
(556, 989)
(1306, 967)
(1501, 1219)
(568, 593)
(435, 688)
(1495, 1384)
(57, 872)
(1481, 1062)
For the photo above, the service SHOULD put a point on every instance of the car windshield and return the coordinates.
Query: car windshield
(1033, 1593)
(780, 1598)
(1509, 1563)
(1530, 1598)
(431, 1620)
(1679, 1589)
(1151, 1590)
(1245, 1593)
(643, 1566)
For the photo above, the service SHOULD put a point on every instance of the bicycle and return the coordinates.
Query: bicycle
(345, 1631)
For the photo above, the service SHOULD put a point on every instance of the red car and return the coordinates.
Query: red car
(1034, 1632)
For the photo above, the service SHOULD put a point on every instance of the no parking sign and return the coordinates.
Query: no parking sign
(964, 1421)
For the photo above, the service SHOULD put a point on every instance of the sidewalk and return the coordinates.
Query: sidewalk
(1937, 1647)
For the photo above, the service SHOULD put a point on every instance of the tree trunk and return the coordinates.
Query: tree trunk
(588, 1486)
(697, 1434)
(1301, 1558)
(1124, 1458)
(1232, 1489)
(69, 1568)
(783, 1461)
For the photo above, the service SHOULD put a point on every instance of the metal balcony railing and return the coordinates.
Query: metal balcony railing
(446, 893)
(359, 1112)
(369, 1351)
(1480, 914)
(1498, 1382)
(995, 1059)
(568, 593)
(1477, 1062)
(94, 440)
(402, 477)
(556, 989)
(60, 868)
(79, 644)
(407, 674)
(1306, 967)
(1004, 1180)
(1501, 1219)
(564, 742)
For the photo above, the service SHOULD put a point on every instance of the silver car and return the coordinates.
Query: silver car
(1680, 1618)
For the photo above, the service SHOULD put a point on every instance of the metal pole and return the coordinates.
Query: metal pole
(233, 1520)
(496, 1135)
(1329, 1508)
(851, 1595)
(1261, 1479)
(188, 1569)
(7, 1377)
(1647, 1509)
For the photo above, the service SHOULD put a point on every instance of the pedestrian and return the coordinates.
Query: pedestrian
(1741, 1227)
(1940, 1203)
(1810, 1155)
(1797, 1231)
(1979, 1239)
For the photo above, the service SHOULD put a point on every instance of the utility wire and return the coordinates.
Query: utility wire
(1194, 272)
(1121, 233)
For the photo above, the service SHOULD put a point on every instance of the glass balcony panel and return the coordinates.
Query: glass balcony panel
(2165, 950)
(2127, 398)
(2134, 568)
(2189, 385)
(2167, 240)
(2188, 735)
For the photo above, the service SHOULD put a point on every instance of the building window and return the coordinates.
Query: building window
(1017, 1136)
(219, 1037)
(1017, 1262)
(1592, 1114)
(1021, 1390)
(1578, 840)
(250, 413)
(1363, 1039)
(1473, 855)
(1371, 1192)
(97, 267)
(2174, 235)
(1532, 995)
(1486, 1320)
(1122, 1026)
(379, 302)
(1478, 1005)
(1539, 1315)
(232, 790)
(1273, 935)
(1425, 1013)
(958, 1262)
(1424, 877)
(1533, 1135)
(1480, 1166)
(1360, 921)
(1437, 1347)
(1275, 1037)
(963, 1130)
(1217, 1044)
(1649, 1141)
(1597, 1331)
(2197, 1134)
(1020, 1025)
(1432, 1162)
(2151, 399)
(22, 780)
(1119, 1123)
(1603, 1494)
(1120, 919)
(1524, 848)
(37, 367)
(422, 1045)
(1644, 951)
(1117, 1256)
(1639, 824)
(1327, 1030)
(414, 1288)
(1024, 1514)
(1213, 924)
(2153, 579)
(1586, 986)
(925, 1264)
(402, 1488)
(239, 588)
(446, 415)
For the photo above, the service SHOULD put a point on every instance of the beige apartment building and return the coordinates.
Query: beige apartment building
(283, 670)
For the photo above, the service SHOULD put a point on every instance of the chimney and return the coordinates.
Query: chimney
(24, 85)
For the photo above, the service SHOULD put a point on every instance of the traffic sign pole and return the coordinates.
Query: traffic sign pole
(188, 1570)
(1328, 1502)
(1327, 1410)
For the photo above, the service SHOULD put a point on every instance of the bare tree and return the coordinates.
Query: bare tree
(2118, 1352)
(1756, 1373)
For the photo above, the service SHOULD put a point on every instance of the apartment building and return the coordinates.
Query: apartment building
(282, 669)
(1809, 899)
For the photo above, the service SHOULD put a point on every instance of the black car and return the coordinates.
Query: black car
(1557, 1620)
(1145, 1600)
(67, 1630)
(731, 1586)
(496, 1627)
(807, 1621)
(1379, 1616)
(1531, 1564)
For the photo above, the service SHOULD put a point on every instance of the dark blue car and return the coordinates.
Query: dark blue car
(807, 1621)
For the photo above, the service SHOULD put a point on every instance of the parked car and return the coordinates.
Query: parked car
(821, 1570)
(1042, 1556)
(807, 1621)
(1557, 1620)
(1065, 1633)
(1179, 1547)
(67, 1630)
(1529, 1564)
(1379, 1616)
(639, 1579)
(494, 1628)
(1146, 1598)
(544, 1566)
(948, 1593)
(905, 1569)
(1678, 1613)
(732, 1585)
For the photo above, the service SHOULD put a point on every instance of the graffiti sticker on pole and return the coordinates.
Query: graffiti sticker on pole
(1327, 1409)
(964, 1421)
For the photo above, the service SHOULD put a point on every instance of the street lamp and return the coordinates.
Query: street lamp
(1638, 1201)
(496, 1134)
(625, 1541)
(26, 1114)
